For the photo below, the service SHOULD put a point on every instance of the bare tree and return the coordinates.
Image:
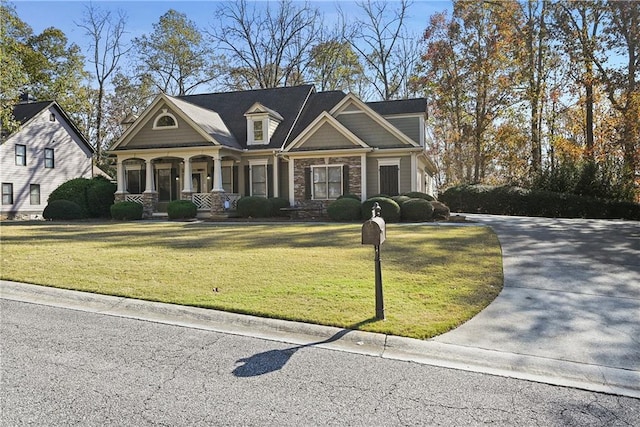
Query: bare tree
(380, 38)
(267, 48)
(107, 48)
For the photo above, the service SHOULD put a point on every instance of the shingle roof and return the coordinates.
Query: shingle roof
(25, 112)
(318, 102)
(231, 106)
(401, 106)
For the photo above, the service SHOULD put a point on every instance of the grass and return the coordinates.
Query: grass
(434, 278)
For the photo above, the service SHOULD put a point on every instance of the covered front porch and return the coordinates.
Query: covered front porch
(209, 180)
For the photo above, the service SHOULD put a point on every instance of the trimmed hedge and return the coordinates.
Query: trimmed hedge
(390, 209)
(94, 196)
(346, 209)
(182, 209)
(440, 211)
(62, 209)
(278, 203)
(419, 195)
(253, 207)
(100, 197)
(125, 211)
(507, 200)
(416, 210)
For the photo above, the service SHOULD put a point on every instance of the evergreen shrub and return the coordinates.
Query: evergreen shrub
(416, 210)
(126, 211)
(253, 207)
(278, 203)
(182, 209)
(419, 195)
(506, 200)
(390, 209)
(100, 197)
(62, 209)
(345, 209)
(440, 211)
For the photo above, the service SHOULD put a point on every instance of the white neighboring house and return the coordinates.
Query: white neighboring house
(46, 151)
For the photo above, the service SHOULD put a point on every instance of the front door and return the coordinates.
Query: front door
(167, 185)
(196, 183)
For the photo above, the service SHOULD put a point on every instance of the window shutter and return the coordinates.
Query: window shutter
(235, 178)
(345, 179)
(307, 183)
(270, 180)
(247, 183)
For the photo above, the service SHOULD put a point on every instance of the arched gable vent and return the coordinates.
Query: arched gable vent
(165, 120)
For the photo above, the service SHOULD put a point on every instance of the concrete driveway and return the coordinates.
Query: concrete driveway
(570, 306)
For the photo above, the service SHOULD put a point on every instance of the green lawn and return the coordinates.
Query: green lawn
(434, 278)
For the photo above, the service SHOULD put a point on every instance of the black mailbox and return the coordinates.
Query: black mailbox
(373, 231)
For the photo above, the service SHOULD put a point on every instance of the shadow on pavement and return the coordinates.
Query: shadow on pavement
(274, 360)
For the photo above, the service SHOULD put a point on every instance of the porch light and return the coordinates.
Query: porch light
(208, 176)
(177, 178)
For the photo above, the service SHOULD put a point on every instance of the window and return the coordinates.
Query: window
(7, 193)
(34, 193)
(165, 121)
(327, 182)
(258, 133)
(49, 159)
(21, 155)
(227, 179)
(259, 180)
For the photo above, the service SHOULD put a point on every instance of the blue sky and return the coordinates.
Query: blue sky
(143, 14)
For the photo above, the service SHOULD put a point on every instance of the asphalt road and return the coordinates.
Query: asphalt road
(68, 367)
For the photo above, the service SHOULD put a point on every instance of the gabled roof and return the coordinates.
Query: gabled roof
(400, 106)
(27, 111)
(325, 119)
(209, 121)
(231, 106)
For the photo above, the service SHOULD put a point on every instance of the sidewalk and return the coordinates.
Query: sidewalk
(569, 313)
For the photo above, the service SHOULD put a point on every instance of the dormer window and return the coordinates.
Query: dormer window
(261, 124)
(165, 120)
(258, 134)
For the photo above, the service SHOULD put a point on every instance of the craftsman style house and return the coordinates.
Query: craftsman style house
(295, 143)
(46, 151)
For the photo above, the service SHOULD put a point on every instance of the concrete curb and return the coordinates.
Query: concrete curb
(550, 371)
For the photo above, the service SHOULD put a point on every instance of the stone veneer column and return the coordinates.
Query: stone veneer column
(217, 202)
(149, 203)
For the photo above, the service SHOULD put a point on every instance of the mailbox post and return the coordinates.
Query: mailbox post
(374, 233)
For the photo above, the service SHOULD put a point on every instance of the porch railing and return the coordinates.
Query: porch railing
(137, 198)
(202, 200)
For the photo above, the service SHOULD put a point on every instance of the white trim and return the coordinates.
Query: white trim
(259, 162)
(165, 113)
(326, 167)
(388, 162)
(352, 99)
(325, 118)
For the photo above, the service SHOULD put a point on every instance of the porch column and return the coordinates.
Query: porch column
(276, 181)
(149, 187)
(187, 186)
(414, 172)
(120, 178)
(363, 177)
(217, 174)
(292, 183)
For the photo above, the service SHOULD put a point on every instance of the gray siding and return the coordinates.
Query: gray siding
(410, 126)
(327, 137)
(369, 131)
(148, 137)
(373, 178)
(72, 160)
